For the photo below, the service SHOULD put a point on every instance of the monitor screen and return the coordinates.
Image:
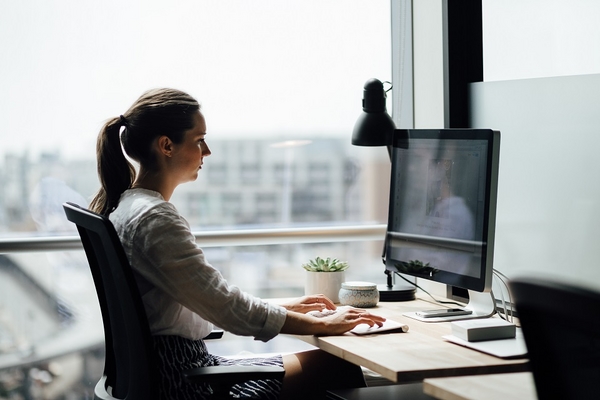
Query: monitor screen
(442, 205)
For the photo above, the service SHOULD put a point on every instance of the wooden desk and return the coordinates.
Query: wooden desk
(490, 387)
(415, 355)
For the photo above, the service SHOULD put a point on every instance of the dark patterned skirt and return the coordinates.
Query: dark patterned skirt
(176, 354)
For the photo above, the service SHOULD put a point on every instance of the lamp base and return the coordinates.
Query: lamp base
(397, 292)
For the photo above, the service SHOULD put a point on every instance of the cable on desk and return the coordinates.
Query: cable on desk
(508, 311)
(507, 318)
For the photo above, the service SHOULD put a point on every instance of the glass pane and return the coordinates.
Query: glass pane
(51, 333)
(265, 72)
(280, 84)
(540, 38)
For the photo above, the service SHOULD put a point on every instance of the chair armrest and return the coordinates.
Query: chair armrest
(231, 374)
(215, 334)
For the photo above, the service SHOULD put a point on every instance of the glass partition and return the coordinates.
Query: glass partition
(541, 90)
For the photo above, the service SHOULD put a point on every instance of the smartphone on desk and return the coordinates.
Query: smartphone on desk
(443, 312)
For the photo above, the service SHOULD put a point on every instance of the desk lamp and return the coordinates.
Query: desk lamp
(375, 127)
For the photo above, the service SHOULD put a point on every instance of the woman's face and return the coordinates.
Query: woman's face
(188, 155)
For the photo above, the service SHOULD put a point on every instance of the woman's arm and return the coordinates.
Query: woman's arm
(174, 263)
(166, 254)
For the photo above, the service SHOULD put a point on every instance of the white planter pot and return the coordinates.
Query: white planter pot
(327, 283)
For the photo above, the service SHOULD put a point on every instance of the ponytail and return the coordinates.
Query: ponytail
(115, 172)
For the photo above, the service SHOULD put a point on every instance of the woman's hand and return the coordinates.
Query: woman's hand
(315, 302)
(343, 320)
(346, 319)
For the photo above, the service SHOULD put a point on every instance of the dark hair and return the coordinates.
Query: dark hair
(157, 112)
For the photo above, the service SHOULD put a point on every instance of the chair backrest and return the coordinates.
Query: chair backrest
(561, 326)
(129, 368)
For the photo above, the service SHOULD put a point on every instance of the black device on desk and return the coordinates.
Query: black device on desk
(442, 211)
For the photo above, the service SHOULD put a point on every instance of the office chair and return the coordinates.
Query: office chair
(561, 326)
(129, 366)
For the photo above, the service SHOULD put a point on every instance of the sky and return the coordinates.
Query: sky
(283, 69)
(258, 68)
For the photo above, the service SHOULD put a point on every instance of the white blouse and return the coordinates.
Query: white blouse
(183, 294)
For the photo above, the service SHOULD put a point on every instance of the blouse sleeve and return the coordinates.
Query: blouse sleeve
(174, 263)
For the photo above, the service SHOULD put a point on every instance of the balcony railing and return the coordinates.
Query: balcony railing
(242, 237)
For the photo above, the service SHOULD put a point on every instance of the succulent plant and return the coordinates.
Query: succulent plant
(325, 265)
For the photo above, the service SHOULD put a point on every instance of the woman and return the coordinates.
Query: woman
(164, 131)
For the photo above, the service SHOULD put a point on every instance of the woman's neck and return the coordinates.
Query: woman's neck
(156, 182)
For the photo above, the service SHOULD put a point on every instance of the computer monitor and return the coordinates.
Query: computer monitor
(442, 212)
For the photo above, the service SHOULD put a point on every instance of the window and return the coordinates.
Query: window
(540, 38)
(256, 87)
(267, 207)
(265, 72)
(250, 174)
(217, 173)
(320, 174)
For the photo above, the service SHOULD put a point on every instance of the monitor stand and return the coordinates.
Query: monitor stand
(481, 305)
(395, 291)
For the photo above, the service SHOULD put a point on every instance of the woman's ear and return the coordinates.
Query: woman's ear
(165, 146)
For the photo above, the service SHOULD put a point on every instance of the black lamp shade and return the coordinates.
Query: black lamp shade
(374, 126)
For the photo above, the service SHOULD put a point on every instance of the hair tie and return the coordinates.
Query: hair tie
(124, 121)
